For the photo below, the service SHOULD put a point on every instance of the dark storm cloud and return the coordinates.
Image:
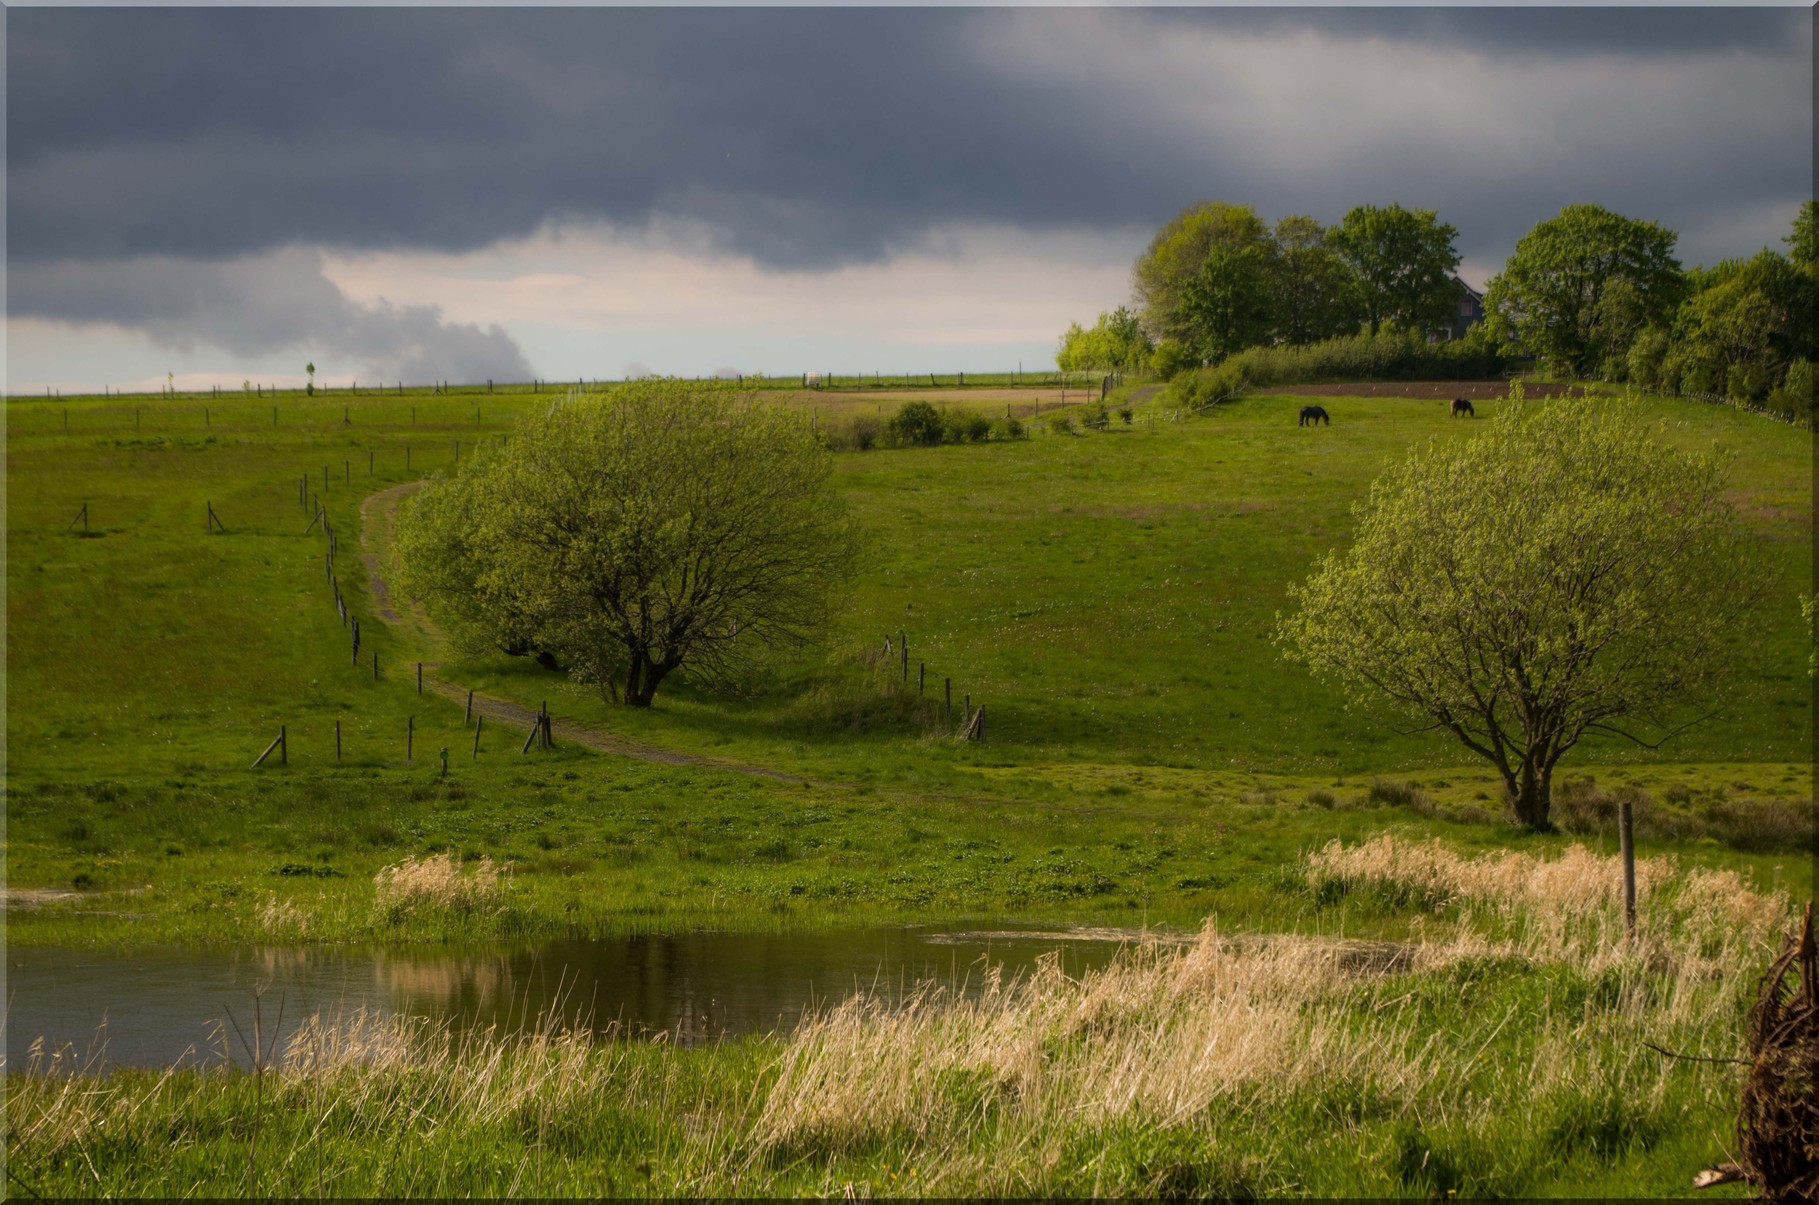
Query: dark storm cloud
(808, 138)
(264, 304)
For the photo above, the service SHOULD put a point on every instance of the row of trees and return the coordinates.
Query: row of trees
(1593, 293)
(1217, 279)
(1587, 293)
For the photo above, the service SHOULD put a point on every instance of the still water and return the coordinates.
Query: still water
(157, 1008)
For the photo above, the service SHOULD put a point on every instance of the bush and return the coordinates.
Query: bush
(917, 424)
(1793, 399)
(1169, 358)
(1008, 428)
(1061, 424)
(960, 426)
(1207, 386)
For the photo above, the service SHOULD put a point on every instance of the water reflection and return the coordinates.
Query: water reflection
(156, 1008)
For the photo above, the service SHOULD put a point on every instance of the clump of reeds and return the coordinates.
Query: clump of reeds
(436, 882)
(282, 918)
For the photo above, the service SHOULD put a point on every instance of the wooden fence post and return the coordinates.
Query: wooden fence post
(903, 640)
(375, 665)
(278, 744)
(419, 677)
(469, 718)
(476, 754)
(337, 740)
(1626, 837)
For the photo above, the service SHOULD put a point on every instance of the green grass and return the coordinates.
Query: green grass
(1153, 761)
(1109, 597)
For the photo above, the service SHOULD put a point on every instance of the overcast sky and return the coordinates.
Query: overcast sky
(411, 194)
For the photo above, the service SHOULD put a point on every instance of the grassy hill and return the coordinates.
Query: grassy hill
(1107, 596)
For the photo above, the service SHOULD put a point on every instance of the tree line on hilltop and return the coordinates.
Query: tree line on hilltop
(1588, 294)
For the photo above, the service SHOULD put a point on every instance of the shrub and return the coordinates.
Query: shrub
(1793, 399)
(865, 432)
(1169, 358)
(960, 426)
(1009, 428)
(917, 424)
(1061, 424)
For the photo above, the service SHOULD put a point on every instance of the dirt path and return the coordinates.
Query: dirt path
(377, 514)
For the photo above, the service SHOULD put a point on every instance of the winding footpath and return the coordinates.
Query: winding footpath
(377, 514)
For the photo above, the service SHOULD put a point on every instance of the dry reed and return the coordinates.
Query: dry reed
(438, 882)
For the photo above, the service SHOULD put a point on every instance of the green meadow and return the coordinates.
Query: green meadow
(1151, 761)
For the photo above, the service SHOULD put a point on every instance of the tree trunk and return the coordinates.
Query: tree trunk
(642, 678)
(1531, 792)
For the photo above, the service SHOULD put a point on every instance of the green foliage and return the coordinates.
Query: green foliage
(1803, 241)
(1116, 343)
(1177, 254)
(965, 426)
(1560, 574)
(1169, 358)
(1314, 292)
(1743, 326)
(1226, 306)
(1794, 399)
(1404, 261)
(1389, 356)
(915, 425)
(1581, 284)
(658, 527)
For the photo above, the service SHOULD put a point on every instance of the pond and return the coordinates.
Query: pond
(156, 1008)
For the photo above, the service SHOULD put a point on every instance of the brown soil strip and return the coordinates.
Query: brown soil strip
(1444, 390)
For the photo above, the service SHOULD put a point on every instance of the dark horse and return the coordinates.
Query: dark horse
(1314, 415)
(1461, 406)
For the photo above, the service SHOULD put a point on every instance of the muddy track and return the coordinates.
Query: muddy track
(377, 514)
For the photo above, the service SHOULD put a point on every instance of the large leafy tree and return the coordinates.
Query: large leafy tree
(1226, 306)
(1176, 255)
(1314, 293)
(1744, 324)
(661, 527)
(1404, 260)
(1562, 574)
(1582, 283)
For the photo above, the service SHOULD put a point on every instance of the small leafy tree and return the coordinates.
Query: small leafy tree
(1561, 574)
(668, 526)
(917, 424)
(310, 369)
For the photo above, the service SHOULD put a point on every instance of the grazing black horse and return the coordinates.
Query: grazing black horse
(1314, 415)
(1461, 406)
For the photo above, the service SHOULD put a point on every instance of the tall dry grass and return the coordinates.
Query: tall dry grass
(1165, 1039)
(436, 882)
